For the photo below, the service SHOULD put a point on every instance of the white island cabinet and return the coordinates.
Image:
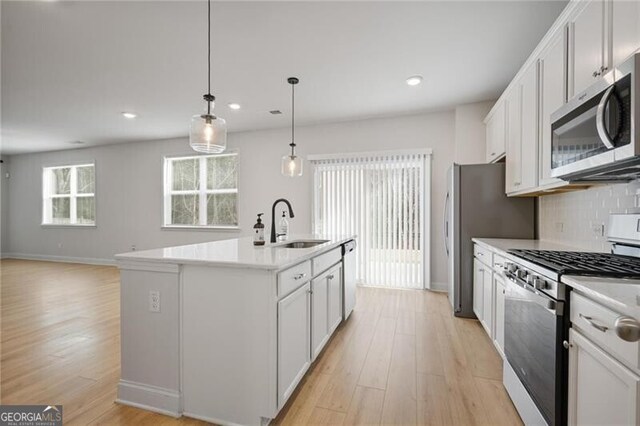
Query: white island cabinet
(224, 331)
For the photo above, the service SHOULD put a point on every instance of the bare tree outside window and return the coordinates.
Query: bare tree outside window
(69, 195)
(201, 191)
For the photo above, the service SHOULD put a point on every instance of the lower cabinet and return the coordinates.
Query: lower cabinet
(294, 340)
(335, 298)
(326, 308)
(478, 288)
(487, 309)
(601, 390)
(500, 291)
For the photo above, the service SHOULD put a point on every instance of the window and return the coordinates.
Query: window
(201, 191)
(382, 198)
(68, 195)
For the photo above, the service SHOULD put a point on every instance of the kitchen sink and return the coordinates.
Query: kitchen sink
(303, 244)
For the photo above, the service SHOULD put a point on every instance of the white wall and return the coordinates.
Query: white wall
(470, 134)
(129, 186)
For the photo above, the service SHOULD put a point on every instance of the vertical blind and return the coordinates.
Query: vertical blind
(381, 198)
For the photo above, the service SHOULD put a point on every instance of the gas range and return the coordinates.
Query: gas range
(543, 269)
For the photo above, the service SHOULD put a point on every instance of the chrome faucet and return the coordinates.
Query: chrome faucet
(273, 217)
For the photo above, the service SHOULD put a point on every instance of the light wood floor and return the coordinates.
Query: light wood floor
(402, 358)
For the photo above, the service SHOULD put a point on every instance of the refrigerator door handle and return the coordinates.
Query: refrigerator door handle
(446, 223)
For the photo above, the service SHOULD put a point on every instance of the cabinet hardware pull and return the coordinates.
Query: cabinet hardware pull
(493, 153)
(330, 277)
(299, 276)
(596, 74)
(603, 69)
(567, 345)
(310, 291)
(593, 323)
(627, 328)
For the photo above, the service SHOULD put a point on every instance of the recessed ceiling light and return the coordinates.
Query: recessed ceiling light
(234, 105)
(414, 80)
(77, 142)
(129, 115)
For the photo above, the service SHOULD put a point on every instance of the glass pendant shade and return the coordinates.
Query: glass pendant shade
(291, 166)
(208, 134)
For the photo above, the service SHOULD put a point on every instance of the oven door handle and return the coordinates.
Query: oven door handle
(600, 125)
(553, 306)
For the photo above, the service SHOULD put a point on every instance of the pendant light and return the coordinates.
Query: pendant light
(208, 133)
(292, 164)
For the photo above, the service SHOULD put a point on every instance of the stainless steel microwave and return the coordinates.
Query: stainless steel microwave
(594, 136)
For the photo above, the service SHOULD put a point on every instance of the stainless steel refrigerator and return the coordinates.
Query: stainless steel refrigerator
(476, 207)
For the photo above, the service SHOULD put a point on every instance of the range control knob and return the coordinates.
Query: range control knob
(521, 274)
(511, 267)
(540, 284)
(531, 278)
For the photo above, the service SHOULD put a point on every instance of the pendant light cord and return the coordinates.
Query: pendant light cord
(293, 117)
(209, 55)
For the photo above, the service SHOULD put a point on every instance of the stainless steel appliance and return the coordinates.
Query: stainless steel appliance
(476, 206)
(595, 136)
(349, 277)
(537, 317)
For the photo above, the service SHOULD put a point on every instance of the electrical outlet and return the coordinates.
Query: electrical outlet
(559, 227)
(154, 301)
(133, 247)
(598, 229)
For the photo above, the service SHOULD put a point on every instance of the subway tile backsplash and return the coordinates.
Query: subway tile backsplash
(581, 218)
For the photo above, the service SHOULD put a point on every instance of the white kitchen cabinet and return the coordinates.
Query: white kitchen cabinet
(514, 157)
(294, 340)
(478, 288)
(496, 133)
(335, 297)
(601, 390)
(499, 287)
(319, 314)
(488, 295)
(553, 86)
(625, 29)
(586, 45)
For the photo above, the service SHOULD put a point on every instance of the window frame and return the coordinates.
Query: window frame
(202, 192)
(73, 196)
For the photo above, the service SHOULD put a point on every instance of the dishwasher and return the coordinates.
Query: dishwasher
(349, 277)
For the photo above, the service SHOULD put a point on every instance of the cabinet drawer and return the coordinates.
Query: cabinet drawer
(597, 322)
(292, 278)
(326, 260)
(482, 254)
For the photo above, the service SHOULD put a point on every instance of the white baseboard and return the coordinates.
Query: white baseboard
(63, 259)
(150, 398)
(440, 287)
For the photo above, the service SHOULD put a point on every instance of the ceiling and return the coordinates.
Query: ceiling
(70, 68)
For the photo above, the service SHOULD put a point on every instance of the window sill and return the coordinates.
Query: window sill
(66, 225)
(200, 228)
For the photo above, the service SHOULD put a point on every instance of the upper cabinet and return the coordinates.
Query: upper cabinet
(522, 133)
(496, 133)
(553, 90)
(625, 29)
(586, 45)
(588, 39)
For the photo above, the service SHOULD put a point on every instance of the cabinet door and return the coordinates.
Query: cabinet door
(529, 129)
(478, 291)
(487, 309)
(496, 133)
(319, 314)
(552, 96)
(499, 318)
(294, 339)
(335, 298)
(625, 29)
(514, 157)
(601, 390)
(587, 45)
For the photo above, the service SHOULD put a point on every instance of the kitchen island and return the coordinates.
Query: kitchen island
(224, 331)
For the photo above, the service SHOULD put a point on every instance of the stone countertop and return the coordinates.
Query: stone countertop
(237, 253)
(504, 244)
(619, 294)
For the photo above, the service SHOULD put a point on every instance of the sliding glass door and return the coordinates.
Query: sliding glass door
(381, 197)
